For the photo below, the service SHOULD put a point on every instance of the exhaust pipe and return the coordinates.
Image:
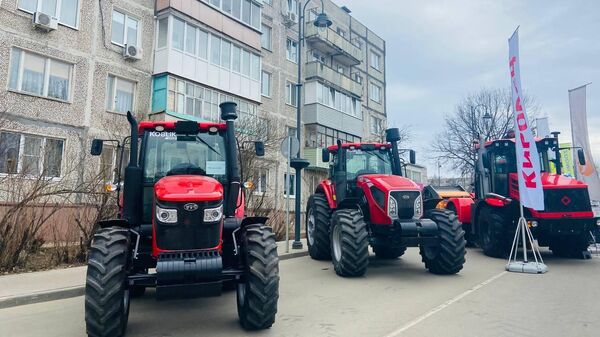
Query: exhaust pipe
(229, 115)
(132, 189)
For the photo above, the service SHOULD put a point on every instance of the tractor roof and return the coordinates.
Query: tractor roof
(364, 146)
(170, 125)
(506, 141)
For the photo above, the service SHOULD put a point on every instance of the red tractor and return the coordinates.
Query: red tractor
(491, 217)
(366, 201)
(181, 228)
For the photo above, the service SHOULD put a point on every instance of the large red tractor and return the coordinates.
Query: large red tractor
(181, 228)
(491, 217)
(366, 201)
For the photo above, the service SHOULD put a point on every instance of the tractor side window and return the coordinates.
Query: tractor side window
(501, 166)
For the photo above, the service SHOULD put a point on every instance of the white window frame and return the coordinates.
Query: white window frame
(41, 163)
(259, 188)
(372, 86)
(58, 8)
(375, 56)
(289, 95)
(292, 183)
(376, 126)
(114, 93)
(270, 76)
(139, 28)
(240, 20)
(47, 65)
(291, 42)
(270, 30)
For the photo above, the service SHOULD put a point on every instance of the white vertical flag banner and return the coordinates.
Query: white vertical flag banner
(579, 130)
(528, 161)
(543, 128)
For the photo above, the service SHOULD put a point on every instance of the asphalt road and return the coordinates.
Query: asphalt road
(395, 298)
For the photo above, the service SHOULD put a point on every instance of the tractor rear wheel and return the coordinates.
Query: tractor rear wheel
(571, 247)
(106, 289)
(258, 291)
(448, 256)
(494, 238)
(385, 252)
(318, 215)
(349, 243)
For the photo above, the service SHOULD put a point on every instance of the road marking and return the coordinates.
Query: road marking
(444, 305)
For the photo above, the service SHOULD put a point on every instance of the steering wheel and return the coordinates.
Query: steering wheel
(186, 168)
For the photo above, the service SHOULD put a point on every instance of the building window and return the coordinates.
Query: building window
(202, 44)
(163, 32)
(119, 94)
(266, 37)
(375, 60)
(109, 161)
(266, 84)
(124, 29)
(246, 11)
(255, 67)
(375, 92)
(178, 34)
(236, 59)
(215, 50)
(39, 75)
(262, 180)
(290, 93)
(376, 126)
(291, 50)
(245, 62)
(292, 6)
(190, 39)
(30, 154)
(338, 100)
(65, 11)
(322, 136)
(291, 185)
(268, 2)
(226, 54)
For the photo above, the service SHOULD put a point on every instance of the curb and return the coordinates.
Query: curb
(64, 293)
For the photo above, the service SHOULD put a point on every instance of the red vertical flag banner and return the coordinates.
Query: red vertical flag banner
(528, 160)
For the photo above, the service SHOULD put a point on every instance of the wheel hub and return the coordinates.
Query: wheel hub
(310, 228)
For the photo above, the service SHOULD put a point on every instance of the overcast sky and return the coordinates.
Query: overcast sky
(440, 51)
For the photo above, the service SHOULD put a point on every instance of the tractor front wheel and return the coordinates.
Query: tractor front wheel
(349, 243)
(448, 256)
(318, 215)
(494, 237)
(387, 253)
(258, 291)
(106, 289)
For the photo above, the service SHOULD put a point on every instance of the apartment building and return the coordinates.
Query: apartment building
(70, 71)
(344, 82)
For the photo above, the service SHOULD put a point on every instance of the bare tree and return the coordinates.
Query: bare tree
(467, 125)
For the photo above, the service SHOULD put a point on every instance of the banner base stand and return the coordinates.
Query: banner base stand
(525, 238)
(527, 267)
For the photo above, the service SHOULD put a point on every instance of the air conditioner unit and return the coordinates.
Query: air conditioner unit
(132, 52)
(44, 22)
(291, 16)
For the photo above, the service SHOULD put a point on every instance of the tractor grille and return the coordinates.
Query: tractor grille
(406, 203)
(189, 232)
(567, 200)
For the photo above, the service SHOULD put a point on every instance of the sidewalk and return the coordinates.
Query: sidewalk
(43, 286)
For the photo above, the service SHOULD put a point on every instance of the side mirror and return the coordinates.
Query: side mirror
(412, 156)
(581, 157)
(96, 149)
(325, 155)
(259, 147)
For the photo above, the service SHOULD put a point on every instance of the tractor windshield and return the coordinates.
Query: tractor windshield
(169, 154)
(359, 162)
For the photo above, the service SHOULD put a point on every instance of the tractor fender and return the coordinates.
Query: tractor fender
(114, 223)
(326, 188)
(462, 207)
(251, 220)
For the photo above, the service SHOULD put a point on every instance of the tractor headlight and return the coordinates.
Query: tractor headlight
(418, 207)
(166, 215)
(598, 222)
(213, 214)
(392, 207)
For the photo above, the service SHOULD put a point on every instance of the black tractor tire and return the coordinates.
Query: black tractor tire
(385, 252)
(258, 291)
(349, 243)
(106, 290)
(494, 237)
(318, 218)
(448, 256)
(571, 246)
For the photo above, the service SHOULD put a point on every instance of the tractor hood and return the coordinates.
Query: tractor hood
(388, 182)
(188, 188)
(555, 181)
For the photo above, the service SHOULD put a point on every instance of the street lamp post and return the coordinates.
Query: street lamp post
(298, 163)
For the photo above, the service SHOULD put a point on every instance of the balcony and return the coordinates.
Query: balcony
(337, 79)
(333, 43)
(313, 155)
